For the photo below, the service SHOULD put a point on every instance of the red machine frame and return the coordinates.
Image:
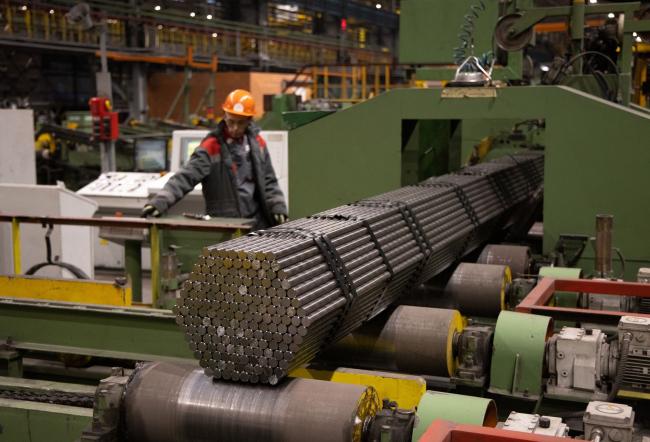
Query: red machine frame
(536, 301)
(444, 431)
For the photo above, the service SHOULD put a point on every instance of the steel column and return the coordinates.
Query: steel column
(154, 240)
(133, 267)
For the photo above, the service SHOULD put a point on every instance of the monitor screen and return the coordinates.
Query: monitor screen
(151, 155)
(188, 145)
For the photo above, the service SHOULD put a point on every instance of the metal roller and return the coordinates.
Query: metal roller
(417, 340)
(171, 402)
(480, 289)
(423, 339)
(516, 257)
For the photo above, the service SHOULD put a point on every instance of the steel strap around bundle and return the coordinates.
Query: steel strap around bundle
(332, 258)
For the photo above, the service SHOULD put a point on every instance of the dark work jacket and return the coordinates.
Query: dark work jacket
(212, 165)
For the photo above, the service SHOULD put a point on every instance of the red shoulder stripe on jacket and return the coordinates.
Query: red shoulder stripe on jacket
(261, 141)
(211, 146)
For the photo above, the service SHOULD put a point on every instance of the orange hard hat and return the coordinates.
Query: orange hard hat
(239, 102)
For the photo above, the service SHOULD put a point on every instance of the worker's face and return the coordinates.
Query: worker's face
(237, 124)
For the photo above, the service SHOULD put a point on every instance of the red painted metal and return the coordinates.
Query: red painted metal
(619, 288)
(537, 300)
(444, 431)
(538, 296)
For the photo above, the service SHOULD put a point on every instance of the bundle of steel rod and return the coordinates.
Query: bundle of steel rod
(258, 306)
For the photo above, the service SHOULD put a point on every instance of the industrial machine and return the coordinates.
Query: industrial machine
(71, 153)
(125, 193)
(577, 364)
(268, 325)
(257, 309)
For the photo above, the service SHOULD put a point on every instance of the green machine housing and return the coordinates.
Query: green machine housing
(596, 158)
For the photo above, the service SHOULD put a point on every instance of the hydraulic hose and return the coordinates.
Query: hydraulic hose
(466, 35)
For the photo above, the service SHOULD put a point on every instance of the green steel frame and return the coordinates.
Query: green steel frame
(138, 334)
(41, 422)
(517, 365)
(596, 156)
(422, 42)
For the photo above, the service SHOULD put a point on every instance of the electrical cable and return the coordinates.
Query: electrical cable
(602, 83)
(555, 79)
(622, 259)
(467, 28)
(76, 271)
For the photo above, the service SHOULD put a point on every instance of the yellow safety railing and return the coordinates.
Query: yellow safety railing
(66, 290)
(15, 241)
(152, 226)
(48, 24)
(349, 83)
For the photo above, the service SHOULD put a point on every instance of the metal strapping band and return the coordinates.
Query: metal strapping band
(464, 201)
(332, 258)
(503, 189)
(409, 218)
(366, 224)
(498, 190)
(469, 210)
(416, 230)
(524, 168)
(375, 241)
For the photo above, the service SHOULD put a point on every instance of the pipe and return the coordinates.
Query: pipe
(604, 226)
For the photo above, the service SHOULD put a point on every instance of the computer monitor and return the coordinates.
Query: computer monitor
(188, 145)
(183, 144)
(151, 155)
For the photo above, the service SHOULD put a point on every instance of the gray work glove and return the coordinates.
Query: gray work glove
(149, 211)
(280, 218)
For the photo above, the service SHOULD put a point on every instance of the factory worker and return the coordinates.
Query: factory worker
(234, 167)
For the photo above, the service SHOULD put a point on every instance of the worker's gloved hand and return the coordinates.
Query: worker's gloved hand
(280, 218)
(149, 211)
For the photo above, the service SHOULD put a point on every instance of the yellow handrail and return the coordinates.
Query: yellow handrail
(15, 240)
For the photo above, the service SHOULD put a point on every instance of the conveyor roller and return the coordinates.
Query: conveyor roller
(167, 402)
(516, 257)
(416, 340)
(480, 289)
